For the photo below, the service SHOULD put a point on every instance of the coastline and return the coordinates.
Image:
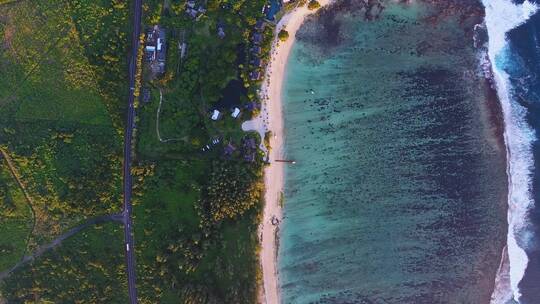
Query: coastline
(271, 118)
(518, 137)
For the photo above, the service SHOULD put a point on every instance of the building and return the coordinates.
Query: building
(235, 113)
(193, 11)
(229, 149)
(252, 106)
(221, 32)
(256, 50)
(215, 115)
(255, 75)
(156, 49)
(256, 62)
(257, 38)
(146, 95)
(259, 26)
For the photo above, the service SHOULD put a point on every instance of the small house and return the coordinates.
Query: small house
(235, 112)
(256, 62)
(145, 95)
(215, 115)
(256, 50)
(259, 26)
(252, 105)
(156, 49)
(257, 38)
(221, 32)
(255, 75)
(229, 149)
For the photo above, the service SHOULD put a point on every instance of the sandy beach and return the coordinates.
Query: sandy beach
(271, 119)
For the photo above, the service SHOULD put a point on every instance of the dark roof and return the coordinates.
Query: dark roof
(256, 49)
(259, 25)
(256, 62)
(229, 149)
(250, 157)
(221, 32)
(255, 75)
(250, 143)
(146, 95)
(192, 12)
(250, 106)
(257, 38)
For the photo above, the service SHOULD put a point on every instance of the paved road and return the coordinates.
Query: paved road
(128, 230)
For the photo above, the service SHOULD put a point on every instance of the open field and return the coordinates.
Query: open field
(87, 268)
(60, 99)
(15, 219)
(177, 260)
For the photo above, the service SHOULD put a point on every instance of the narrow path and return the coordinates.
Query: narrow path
(57, 241)
(27, 196)
(157, 121)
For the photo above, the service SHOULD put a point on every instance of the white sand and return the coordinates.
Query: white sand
(271, 119)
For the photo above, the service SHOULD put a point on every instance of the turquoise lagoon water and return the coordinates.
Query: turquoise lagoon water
(399, 191)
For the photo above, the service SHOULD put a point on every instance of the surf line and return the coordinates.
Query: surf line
(501, 17)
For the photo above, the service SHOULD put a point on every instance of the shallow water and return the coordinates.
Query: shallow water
(399, 190)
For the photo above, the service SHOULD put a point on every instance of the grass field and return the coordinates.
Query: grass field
(87, 268)
(176, 262)
(60, 106)
(15, 219)
(63, 74)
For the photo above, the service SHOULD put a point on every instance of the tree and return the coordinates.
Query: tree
(232, 189)
(283, 35)
(313, 5)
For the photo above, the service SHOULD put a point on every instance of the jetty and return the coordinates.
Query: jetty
(286, 161)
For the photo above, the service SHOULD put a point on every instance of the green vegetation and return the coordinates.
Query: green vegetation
(62, 91)
(179, 259)
(313, 5)
(267, 136)
(283, 35)
(60, 95)
(16, 219)
(87, 268)
(233, 188)
(197, 212)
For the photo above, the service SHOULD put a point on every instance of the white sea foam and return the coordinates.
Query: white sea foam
(501, 17)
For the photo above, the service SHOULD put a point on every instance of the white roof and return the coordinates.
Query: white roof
(159, 44)
(235, 112)
(150, 48)
(215, 115)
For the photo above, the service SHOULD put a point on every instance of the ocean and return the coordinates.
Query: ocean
(400, 192)
(515, 54)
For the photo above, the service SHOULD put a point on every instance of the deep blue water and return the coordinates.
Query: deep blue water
(525, 78)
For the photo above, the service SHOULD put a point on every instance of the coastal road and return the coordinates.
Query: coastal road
(128, 134)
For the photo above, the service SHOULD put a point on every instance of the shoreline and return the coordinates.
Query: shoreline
(518, 137)
(271, 118)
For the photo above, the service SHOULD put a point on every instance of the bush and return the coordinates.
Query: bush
(283, 35)
(313, 5)
(233, 188)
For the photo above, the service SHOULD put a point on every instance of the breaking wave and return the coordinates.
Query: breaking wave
(501, 17)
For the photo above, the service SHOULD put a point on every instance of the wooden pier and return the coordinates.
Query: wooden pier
(286, 161)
